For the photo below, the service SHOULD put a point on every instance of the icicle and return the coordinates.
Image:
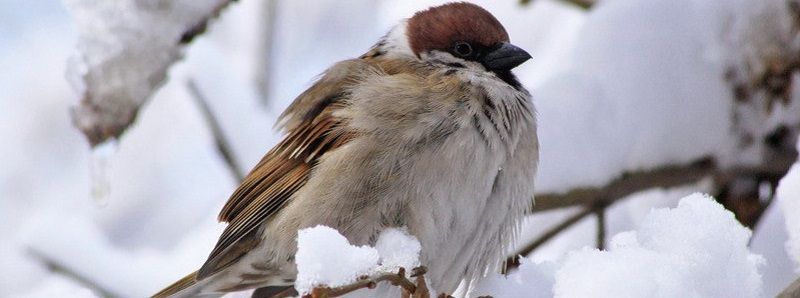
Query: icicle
(99, 168)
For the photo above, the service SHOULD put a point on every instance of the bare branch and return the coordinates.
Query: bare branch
(629, 183)
(223, 146)
(370, 282)
(58, 268)
(663, 177)
(422, 288)
(598, 198)
(201, 25)
(514, 261)
(267, 35)
(600, 213)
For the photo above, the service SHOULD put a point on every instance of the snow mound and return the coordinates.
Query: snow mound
(398, 249)
(325, 257)
(532, 280)
(788, 195)
(695, 250)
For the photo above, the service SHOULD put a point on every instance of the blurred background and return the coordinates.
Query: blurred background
(684, 95)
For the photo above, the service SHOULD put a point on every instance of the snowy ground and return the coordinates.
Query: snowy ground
(631, 85)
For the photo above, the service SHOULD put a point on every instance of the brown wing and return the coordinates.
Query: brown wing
(312, 130)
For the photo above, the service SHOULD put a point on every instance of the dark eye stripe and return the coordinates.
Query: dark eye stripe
(462, 49)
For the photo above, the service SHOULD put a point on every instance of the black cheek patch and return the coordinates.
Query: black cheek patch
(455, 64)
(509, 78)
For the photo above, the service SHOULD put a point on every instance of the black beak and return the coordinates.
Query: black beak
(506, 57)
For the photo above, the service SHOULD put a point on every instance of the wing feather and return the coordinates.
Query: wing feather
(312, 130)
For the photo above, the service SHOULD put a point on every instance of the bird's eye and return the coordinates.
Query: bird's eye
(462, 49)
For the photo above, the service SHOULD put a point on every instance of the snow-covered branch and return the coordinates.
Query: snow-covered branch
(124, 53)
(416, 289)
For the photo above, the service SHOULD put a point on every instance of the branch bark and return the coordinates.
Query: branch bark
(600, 213)
(598, 198)
(417, 290)
(58, 268)
(116, 74)
(202, 24)
(264, 74)
(627, 184)
(514, 261)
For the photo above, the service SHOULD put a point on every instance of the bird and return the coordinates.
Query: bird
(429, 131)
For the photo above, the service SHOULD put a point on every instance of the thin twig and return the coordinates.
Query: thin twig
(421, 287)
(223, 146)
(514, 261)
(266, 37)
(202, 25)
(600, 213)
(370, 282)
(59, 268)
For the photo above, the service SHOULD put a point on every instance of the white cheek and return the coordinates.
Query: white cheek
(490, 82)
(397, 40)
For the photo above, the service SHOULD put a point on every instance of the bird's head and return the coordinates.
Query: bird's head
(459, 34)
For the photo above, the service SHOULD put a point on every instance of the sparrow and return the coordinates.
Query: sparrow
(429, 131)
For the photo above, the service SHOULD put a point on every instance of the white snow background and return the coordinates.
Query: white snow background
(632, 84)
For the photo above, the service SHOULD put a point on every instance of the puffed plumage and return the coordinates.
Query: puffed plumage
(412, 134)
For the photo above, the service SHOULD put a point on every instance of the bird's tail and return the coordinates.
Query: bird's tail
(190, 287)
(178, 287)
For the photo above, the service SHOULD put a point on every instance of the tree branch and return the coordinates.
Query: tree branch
(600, 213)
(221, 141)
(112, 90)
(598, 198)
(58, 268)
(267, 35)
(514, 261)
(370, 282)
(201, 26)
(627, 184)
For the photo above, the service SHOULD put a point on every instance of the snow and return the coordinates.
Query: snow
(630, 85)
(676, 252)
(788, 195)
(672, 254)
(325, 258)
(532, 280)
(768, 237)
(125, 49)
(397, 249)
(641, 98)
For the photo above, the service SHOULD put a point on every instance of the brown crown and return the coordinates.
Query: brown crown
(438, 28)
